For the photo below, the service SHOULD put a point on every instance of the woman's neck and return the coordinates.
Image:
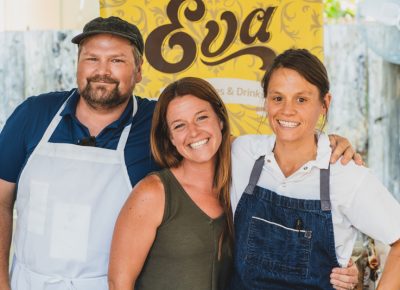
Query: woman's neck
(197, 175)
(197, 179)
(290, 156)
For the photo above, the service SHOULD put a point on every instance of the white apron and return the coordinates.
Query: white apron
(68, 199)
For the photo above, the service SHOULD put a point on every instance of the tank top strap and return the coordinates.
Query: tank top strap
(170, 188)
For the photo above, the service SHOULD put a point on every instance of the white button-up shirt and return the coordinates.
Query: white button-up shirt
(359, 200)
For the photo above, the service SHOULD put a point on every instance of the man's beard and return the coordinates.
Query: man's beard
(100, 97)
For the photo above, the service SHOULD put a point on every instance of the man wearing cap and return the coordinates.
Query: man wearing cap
(69, 160)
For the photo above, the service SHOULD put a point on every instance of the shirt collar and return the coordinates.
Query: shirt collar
(267, 149)
(324, 150)
(125, 119)
(70, 106)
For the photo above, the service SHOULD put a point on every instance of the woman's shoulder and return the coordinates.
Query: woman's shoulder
(349, 170)
(254, 138)
(145, 202)
(150, 187)
(253, 144)
(348, 180)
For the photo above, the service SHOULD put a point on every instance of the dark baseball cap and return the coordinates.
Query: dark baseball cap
(112, 25)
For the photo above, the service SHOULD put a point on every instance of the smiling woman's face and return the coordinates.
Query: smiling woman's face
(195, 129)
(293, 106)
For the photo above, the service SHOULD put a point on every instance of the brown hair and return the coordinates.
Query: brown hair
(164, 151)
(307, 65)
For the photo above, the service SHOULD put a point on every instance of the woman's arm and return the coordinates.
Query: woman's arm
(390, 277)
(134, 232)
(345, 278)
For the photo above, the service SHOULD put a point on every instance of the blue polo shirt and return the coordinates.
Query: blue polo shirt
(26, 126)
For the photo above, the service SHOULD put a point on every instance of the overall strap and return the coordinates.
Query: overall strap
(324, 189)
(255, 175)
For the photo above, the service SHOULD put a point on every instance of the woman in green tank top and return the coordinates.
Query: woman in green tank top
(175, 230)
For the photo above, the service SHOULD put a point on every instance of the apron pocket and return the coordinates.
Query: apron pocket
(277, 250)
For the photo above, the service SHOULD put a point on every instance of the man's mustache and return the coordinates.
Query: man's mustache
(102, 79)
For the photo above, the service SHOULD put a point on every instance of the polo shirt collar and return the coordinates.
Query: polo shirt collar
(125, 119)
(70, 107)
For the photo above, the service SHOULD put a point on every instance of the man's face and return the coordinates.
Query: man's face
(107, 72)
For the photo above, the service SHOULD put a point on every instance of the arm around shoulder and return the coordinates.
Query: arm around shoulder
(135, 231)
(7, 198)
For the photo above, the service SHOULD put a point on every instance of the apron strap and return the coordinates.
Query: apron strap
(324, 189)
(125, 133)
(255, 175)
(54, 122)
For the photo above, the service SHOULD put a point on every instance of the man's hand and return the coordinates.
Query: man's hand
(342, 147)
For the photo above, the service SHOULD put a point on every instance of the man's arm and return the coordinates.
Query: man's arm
(342, 147)
(7, 198)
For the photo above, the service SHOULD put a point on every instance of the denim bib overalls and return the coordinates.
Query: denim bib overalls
(282, 242)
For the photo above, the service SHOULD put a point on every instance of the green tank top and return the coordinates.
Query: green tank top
(184, 255)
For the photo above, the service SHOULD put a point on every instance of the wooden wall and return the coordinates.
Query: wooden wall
(366, 101)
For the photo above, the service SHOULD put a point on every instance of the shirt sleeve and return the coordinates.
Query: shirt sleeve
(138, 156)
(374, 211)
(12, 143)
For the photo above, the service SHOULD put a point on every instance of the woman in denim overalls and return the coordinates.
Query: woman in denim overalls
(296, 215)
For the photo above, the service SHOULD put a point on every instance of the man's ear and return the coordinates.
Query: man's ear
(138, 72)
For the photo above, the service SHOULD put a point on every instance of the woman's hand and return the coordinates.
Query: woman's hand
(342, 147)
(345, 278)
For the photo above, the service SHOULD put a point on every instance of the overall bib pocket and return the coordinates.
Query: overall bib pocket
(276, 249)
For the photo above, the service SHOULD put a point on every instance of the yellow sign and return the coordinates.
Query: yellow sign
(228, 42)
